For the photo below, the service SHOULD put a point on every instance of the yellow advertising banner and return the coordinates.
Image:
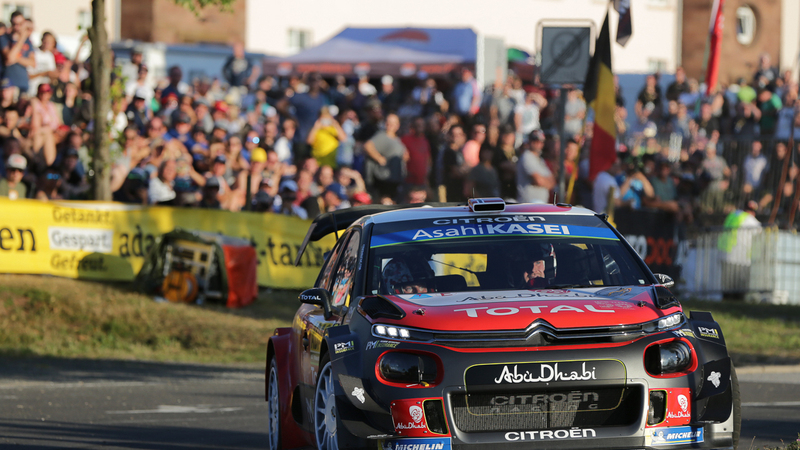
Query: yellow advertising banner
(107, 241)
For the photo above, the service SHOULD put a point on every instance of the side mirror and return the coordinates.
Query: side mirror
(319, 297)
(666, 280)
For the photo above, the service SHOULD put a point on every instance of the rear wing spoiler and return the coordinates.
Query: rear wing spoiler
(332, 222)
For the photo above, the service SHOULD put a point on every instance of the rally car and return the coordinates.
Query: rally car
(465, 326)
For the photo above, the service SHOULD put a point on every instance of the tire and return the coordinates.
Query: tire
(273, 408)
(326, 422)
(737, 407)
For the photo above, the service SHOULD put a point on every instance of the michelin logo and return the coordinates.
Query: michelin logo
(417, 444)
(676, 435)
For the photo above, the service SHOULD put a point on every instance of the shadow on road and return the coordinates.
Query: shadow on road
(52, 435)
(63, 370)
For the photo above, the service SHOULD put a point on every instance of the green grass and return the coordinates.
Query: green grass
(48, 316)
(756, 334)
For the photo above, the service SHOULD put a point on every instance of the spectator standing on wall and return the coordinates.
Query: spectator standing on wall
(17, 51)
(238, 69)
(130, 69)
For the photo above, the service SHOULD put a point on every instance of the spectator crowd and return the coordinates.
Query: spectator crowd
(303, 144)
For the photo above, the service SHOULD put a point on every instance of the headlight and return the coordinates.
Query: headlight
(665, 323)
(666, 358)
(408, 368)
(388, 331)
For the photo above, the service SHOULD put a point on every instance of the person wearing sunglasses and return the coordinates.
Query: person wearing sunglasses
(11, 186)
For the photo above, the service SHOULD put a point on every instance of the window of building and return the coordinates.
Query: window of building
(84, 19)
(9, 8)
(299, 39)
(745, 25)
(656, 65)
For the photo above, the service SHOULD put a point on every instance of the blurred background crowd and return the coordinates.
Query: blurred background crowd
(303, 144)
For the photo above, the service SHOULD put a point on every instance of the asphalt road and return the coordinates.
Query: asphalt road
(47, 404)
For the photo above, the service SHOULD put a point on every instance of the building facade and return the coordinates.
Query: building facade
(751, 28)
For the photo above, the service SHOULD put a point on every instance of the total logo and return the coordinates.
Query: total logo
(508, 311)
(572, 433)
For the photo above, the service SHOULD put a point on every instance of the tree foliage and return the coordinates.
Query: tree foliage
(197, 5)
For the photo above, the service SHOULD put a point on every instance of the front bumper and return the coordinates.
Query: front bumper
(608, 410)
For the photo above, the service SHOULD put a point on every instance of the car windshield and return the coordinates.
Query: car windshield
(502, 252)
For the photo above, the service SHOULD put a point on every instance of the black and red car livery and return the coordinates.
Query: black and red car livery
(526, 326)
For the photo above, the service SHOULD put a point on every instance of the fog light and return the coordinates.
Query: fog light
(408, 368)
(669, 357)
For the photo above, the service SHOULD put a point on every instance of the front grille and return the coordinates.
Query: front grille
(539, 333)
(547, 409)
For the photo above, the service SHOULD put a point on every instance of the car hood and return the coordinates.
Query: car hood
(513, 310)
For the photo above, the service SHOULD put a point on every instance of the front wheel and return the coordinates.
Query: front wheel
(326, 423)
(273, 407)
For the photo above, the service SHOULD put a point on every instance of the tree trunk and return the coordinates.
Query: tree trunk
(101, 82)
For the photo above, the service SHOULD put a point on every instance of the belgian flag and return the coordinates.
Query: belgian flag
(599, 94)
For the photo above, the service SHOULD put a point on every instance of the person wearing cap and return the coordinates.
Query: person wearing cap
(210, 194)
(8, 94)
(389, 96)
(285, 202)
(137, 113)
(130, 69)
(17, 52)
(534, 178)
(11, 186)
(44, 71)
(135, 188)
(182, 130)
(335, 198)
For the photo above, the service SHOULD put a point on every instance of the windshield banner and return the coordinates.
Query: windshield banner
(491, 230)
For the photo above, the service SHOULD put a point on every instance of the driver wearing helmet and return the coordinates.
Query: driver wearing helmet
(407, 275)
(539, 269)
